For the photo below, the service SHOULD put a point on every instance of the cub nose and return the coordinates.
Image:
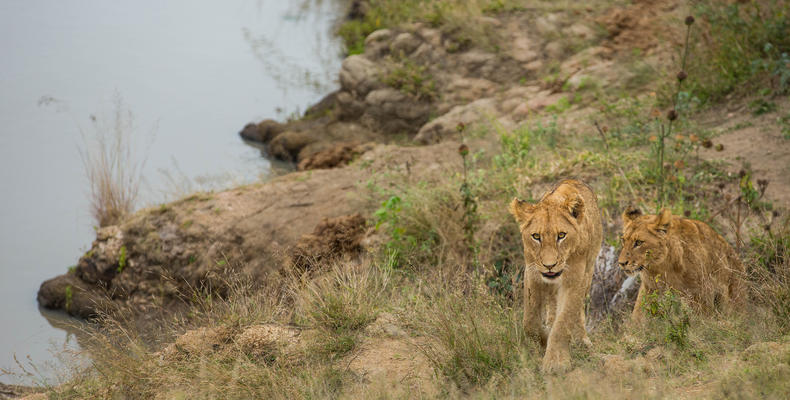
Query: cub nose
(623, 264)
(549, 266)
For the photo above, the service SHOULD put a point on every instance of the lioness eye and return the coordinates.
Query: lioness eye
(561, 235)
(536, 236)
(637, 243)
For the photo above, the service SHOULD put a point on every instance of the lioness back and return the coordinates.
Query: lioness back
(683, 254)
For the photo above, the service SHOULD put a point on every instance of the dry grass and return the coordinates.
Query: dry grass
(112, 168)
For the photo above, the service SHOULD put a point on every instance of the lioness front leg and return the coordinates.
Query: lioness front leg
(534, 307)
(558, 354)
(638, 314)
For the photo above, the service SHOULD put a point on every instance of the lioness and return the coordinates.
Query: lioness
(683, 254)
(562, 236)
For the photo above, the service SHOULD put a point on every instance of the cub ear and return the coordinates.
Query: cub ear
(521, 209)
(575, 206)
(663, 219)
(630, 214)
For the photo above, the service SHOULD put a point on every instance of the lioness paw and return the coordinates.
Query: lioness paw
(554, 363)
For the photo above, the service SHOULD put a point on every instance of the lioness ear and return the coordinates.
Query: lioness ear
(575, 206)
(663, 220)
(631, 213)
(520, 209)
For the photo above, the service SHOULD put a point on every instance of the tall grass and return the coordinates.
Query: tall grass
(113, 170)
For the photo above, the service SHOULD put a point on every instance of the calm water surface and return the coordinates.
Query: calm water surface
(191, 73)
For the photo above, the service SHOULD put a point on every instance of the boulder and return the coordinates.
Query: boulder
(287, 145)
(67, 292)
(446, 126)
(404, 44)
(358, 75)
(263, 132)
(105, 259)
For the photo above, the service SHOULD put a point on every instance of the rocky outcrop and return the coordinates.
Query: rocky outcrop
(404, 78)
(163, 256)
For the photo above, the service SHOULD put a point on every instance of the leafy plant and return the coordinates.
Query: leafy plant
(669, 311)
(413, 79)
(121, 259)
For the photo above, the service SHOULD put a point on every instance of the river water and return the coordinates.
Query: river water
(190, 73)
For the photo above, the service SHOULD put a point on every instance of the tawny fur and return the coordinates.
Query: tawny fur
(683, 254)
(563, 231)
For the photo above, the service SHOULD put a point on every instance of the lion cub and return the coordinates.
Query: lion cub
(683, 254)
(562, 235)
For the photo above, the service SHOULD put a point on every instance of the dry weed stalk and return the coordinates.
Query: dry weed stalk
(111, 167)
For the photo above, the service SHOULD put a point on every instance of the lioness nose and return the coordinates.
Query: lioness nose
(624, 263)
(549, 266)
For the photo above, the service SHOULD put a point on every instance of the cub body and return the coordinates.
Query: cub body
(562, 236)
(683, 254)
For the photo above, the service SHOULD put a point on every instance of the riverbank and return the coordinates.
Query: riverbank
(367, 267)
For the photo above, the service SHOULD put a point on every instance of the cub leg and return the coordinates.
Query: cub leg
(638, 314)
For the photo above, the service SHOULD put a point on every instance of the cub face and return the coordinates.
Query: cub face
(644, 241)
(549, 235)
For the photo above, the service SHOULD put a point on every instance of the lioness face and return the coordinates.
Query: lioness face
(548, 238)
(644, 241)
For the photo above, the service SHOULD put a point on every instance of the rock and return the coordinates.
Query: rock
(287, 145)
(250, 132)
(331, 239)
(446, 126)
(358, 75)
(198, 342)
(554, 50)
(377, 44)
(547, 25)
(431, 36)
(320, 109)
(263, 132)
(385, 325)
(392, 111)
(517, 96)
(350, 107)
(337, 155)
(537, 102)
(103, 261)
(404, 44)
(268, 340)
(68, 293)
(465, 89)
(523, 49)
(583, 59)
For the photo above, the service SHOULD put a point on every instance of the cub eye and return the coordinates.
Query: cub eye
(637, 243)
(536, 236)
(561, 235)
